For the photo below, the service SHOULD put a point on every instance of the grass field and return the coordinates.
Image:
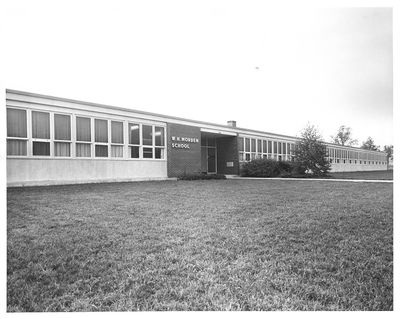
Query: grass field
(201, 245)
(371, 175)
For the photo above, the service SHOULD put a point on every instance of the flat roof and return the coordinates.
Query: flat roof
(50, 97)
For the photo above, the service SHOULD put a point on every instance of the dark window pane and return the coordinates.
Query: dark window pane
(134, 133)
(247, 145)
(253, 145)
(269, 147)
(275, 147)
(62, 127)
(259, 146)
(279, 148)
(134, 151)
(159, 153)
(101, 151)
(40, 125)
(264, 146)
(16, 123)
(159, 136)
(41, 148)
(240, 144)
(117, 132)
(147, 135)
(147, 152)
(83, 129)
(283, 148)
(101, 131)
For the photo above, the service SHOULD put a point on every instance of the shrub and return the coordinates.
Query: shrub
(260, 168)
(200, 176)
(271, 168)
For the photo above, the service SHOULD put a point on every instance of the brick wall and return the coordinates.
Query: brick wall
(183, 160)
(227, 151)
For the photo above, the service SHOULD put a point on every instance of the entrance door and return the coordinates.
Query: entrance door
(211, 160)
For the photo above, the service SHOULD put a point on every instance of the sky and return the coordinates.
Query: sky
(271, 68)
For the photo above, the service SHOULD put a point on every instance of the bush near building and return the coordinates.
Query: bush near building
(270, 168)
(201, 176)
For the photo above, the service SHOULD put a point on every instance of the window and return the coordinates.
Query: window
(247, 144)
(41, 148)
(275, 147)
(253, 145)
(101, 150)
(269, 147)
(284, 148)
(280, 148)
(159, 137)
(16, 132)
(62, 132)
(147, 152)
(83, 132)
(117, 139)
(40, 133)
(134, 140)
(101, 138)
(147, 135)
(101, 131)
(40, 125)
(83, 145)
(264, 143)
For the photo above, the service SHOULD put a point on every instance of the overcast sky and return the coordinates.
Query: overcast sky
(269, 68)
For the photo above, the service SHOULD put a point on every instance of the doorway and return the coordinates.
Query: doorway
(208, 155)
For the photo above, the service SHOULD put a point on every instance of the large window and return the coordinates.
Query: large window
(40, 133)
(16, 132)
(134, 140)
(83, 137)
(62, 135)
(117, 139)
(101, 138)
(159, 142)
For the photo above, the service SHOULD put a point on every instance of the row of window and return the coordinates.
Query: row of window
(49, 134)
(335, 153)
(252, 148)
(354, 161)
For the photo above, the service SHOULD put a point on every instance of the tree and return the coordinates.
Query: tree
(389, 153)
(343, 137)
(369, 144)
(310, 152)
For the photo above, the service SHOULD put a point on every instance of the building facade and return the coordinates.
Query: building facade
(54, 140)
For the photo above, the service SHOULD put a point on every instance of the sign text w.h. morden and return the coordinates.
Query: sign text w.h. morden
(186, 140)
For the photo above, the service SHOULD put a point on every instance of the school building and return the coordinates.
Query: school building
(53, 140)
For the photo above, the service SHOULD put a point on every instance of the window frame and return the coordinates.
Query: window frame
(16, 138)
(54, 140)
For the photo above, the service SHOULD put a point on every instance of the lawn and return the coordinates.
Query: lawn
(370, 175)
(201, 245)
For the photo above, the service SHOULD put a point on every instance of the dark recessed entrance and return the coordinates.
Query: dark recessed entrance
(218, 153)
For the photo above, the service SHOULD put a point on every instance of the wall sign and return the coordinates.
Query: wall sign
(183, 142)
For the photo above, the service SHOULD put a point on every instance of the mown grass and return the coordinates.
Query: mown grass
(370, 175)
(200, 245)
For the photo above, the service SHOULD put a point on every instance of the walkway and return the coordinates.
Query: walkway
(314, 179)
